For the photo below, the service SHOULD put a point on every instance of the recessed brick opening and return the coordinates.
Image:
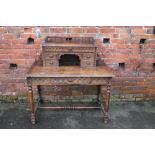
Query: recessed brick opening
(30, 41)
(142, 41)
(106, 40)
(69, 39)
(121, 65)
(153, 66)
(154, 30)
(69, 60)
(27, 29)
(13, 66)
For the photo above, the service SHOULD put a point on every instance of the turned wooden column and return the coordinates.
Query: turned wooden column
(107, 102)
(31, 104)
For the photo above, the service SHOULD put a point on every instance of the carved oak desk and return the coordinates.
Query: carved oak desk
(67, 75)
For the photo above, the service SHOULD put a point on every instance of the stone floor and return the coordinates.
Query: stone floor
(123, 116)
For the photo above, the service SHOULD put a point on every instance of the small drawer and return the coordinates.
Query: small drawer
(88, 56)
(50, 63)
(88, 63)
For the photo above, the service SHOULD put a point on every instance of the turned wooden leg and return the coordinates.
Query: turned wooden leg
(106, 106)
(31, 104)
(99, 99)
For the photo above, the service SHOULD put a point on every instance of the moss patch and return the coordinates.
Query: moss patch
(115, 99)
(14, 99)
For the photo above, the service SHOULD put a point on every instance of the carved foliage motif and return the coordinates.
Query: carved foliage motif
(70, 81)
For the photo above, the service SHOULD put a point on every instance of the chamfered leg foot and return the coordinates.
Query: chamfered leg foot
(33, 118)
(106, 118)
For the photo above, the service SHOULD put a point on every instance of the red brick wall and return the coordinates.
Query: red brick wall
(133, 83)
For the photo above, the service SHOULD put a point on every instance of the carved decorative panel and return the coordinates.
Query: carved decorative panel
(57, 46)
(69, 81)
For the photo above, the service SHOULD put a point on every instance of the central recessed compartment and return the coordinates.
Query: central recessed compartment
(69, 60)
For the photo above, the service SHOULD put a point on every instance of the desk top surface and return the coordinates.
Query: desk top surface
(70, 71)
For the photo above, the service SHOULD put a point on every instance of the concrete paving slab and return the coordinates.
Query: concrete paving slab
(122, 116)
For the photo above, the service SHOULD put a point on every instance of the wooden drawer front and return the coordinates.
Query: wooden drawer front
(88, 63)
(89, 57)
(50, 62)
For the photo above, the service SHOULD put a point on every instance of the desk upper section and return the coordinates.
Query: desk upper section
(69, 51)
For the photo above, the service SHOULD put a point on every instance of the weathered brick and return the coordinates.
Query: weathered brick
(27, 35)
(34, 46)
(19, 41)
(58, 30)
(23, 55)
(8, 36)
(5, 46)
(75, 30)
(91, 30)
(44, 29)
(136, 27)
(3, 30)
(119, 41)
(133, 46)
(17, 46)
(39, 41)
(121, 46)
(115, 35)
(4, 56)
(151, 46)
(14, 29)
(121, 30)
(5, 41)
(107, 30)
(28, 30)
(138, 31)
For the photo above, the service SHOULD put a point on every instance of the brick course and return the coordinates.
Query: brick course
(133, 83)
